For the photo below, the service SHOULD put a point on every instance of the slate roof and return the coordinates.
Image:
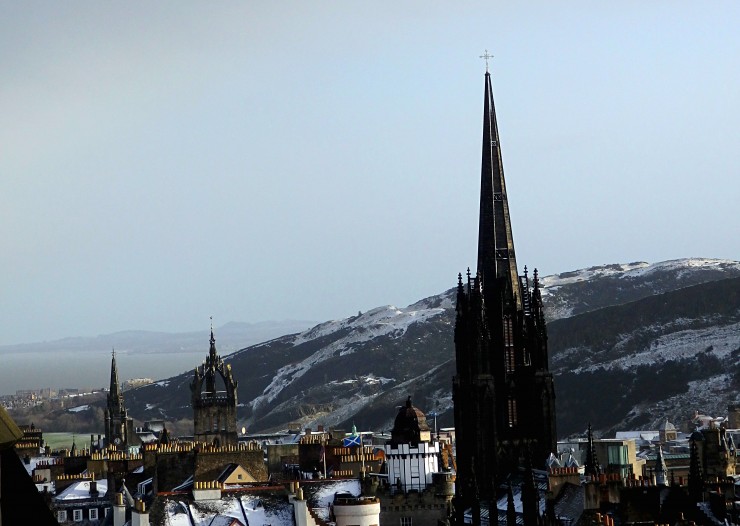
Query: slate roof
(570, 502)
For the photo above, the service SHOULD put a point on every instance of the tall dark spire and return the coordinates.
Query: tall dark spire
(118, 426)
(114, 391)
(503, 392)
(496, 258)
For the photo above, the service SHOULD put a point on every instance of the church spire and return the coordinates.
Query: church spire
(496, 259)
(114, 391)
(212, 352)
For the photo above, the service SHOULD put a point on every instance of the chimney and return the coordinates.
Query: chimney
(119, 511)
(140, 515)
(93, 488)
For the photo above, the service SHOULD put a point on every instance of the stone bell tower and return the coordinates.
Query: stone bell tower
(213, 391)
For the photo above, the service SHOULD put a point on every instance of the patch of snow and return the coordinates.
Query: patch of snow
(706, 394)
(634, 270)
(79, 408)
(382, 321)
(162, 383)
(325, 496)
(230, 507)
(81, 490)
(679, 345)
(149, 407)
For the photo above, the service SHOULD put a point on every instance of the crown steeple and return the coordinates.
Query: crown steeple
(214, 399)
(496, 259)
(212, 352)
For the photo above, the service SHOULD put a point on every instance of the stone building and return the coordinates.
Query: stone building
(716, 453)
(214, 400)
(503, 391)
(416, 492)
(411, 454)
(119, 427)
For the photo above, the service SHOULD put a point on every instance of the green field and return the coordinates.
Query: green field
(64, 440)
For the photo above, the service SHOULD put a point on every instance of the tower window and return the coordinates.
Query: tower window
(509, 355)
(512, 412)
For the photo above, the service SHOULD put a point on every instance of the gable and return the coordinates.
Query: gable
(238, 475)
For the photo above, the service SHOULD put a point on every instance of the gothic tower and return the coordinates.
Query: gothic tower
(213, 391)
(119, 427)
(503, 391)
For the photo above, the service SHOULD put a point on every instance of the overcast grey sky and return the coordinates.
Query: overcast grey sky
(164, 162)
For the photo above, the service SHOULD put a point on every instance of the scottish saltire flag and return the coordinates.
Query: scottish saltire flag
(351, 441)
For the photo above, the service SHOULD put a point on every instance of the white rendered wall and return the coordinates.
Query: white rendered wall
(413, 465)
(357, 514)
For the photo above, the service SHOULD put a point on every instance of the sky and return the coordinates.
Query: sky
(164, 162)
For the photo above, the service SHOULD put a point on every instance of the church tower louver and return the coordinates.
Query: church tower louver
(503, 391)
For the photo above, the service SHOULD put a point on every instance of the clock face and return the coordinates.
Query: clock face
(117, 441)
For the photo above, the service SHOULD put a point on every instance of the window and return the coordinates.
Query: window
(62, 516)
(512, 412)
(405, 521)
(93, 513)
(509, 355)
(77, 515)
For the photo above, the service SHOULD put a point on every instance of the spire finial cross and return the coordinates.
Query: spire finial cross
(486, 56)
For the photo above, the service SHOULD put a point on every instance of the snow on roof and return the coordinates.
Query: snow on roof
(34, 461)
(81, 490)
(637, 435)
(248, 509)
(147, 437)
(325, 494)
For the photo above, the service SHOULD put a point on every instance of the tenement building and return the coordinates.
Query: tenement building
(503, 391)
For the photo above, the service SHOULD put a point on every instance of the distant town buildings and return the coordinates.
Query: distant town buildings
(500, 465)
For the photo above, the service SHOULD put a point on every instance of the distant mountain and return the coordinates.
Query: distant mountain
(155, 354)
(629, 345)
(233, 336)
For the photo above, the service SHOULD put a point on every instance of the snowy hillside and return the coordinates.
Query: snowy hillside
(608, 322)
(583, 290)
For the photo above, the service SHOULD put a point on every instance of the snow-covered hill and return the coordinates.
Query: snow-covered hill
(607, 319)
(587, 289)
